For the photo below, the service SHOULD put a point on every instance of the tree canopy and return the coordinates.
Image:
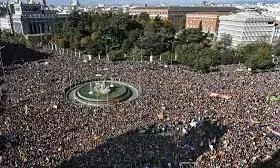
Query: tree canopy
(122, 34)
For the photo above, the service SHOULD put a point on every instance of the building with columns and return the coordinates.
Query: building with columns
(42, 2)
(32, 19)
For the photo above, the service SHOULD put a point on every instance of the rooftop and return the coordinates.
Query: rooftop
(190, 8)
(247, 15)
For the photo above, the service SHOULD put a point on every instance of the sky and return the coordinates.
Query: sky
(149, 2)
(166, 2)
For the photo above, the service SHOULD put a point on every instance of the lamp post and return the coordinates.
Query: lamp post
(106, 47)
(141, 55)
(106, 51)
(99, 56)
(3, 71)
(275, 61)
(141, 49)
(172, 49)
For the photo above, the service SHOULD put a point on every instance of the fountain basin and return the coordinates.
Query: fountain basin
(90, 93)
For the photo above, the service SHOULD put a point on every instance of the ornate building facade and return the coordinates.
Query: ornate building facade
(32, 18)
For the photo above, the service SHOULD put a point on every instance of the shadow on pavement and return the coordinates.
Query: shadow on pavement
(18, 54)
(158, 145)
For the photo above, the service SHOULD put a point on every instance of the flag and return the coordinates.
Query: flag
(98, 137)
(274, 98)
(227, 97)
(160, 116)
(255, 121)
(223, 96)
(193, 124)
(213, 94)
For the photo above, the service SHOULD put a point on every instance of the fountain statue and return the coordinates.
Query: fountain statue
(100, 88)
(102, 93)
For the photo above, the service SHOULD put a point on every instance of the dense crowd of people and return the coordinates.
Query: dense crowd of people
(39, 128)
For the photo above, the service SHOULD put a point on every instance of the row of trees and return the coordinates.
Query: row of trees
(8, 37)
(117, 34)
(122, 35)
(134, 36)
(139, 36)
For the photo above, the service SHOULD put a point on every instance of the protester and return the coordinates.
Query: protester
(41, 129)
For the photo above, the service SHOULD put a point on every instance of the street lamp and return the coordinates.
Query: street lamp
(99, 56)
(172, 49)
(141, 50)
(106, 51)
(141, 55)
(107, 55)
(275, 61)
(106, 46)
(2, 62)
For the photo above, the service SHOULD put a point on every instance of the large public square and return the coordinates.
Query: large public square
(165, 125)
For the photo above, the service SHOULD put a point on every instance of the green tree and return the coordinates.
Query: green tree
(8, 37)
(276, 48)
(188, 53)
(166, 56)
(260, 57)
(206, 60)
(227, 56)
(85, 41)
(190, 36)
(179, 23)
(116, 55)
(144, 16)
(135, 36)
(225, 41)
(256, 55)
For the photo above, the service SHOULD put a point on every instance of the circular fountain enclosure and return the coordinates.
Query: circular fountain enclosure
(101, 93)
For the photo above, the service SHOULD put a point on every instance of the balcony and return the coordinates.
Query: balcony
(44, 15)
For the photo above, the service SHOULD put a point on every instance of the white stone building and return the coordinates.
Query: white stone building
(248, 27)
(31, 18)
(34, 19)
(5, 24)
(272, 11)
(41, 2)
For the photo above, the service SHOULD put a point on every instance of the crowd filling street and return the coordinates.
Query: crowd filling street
(39, 128)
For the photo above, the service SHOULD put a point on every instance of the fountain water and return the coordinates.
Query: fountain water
(101, 93)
